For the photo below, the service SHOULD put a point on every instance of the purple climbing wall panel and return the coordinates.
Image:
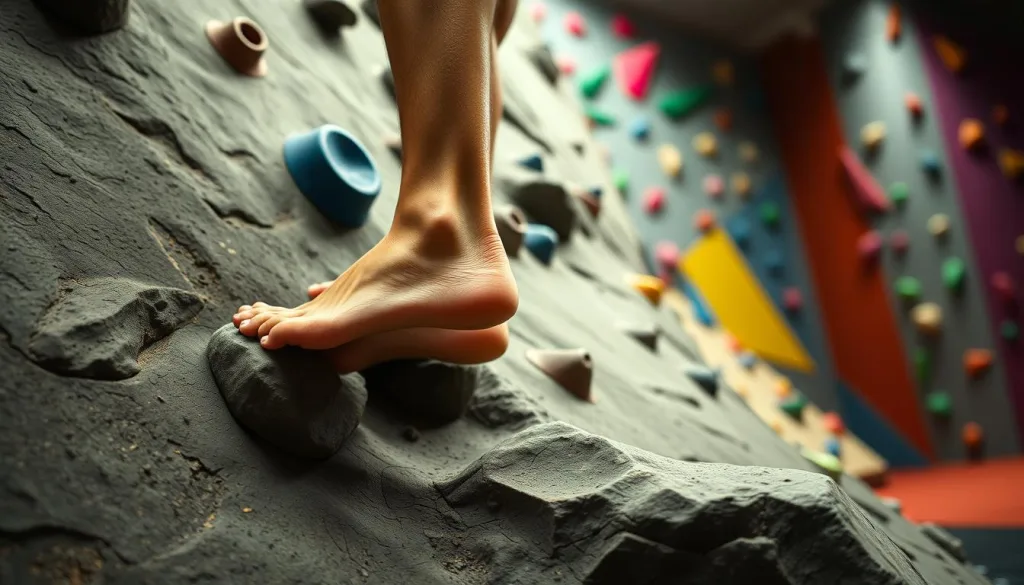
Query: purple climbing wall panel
(993, 205)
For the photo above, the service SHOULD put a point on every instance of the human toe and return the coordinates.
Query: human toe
(251, 326)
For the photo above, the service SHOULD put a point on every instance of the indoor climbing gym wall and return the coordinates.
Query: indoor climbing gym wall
(894, 140)
(691, 149)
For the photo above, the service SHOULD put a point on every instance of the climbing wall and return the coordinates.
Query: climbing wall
(891, 242)
(740, 189)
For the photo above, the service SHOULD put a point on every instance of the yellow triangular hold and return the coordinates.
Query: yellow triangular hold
(717, 268)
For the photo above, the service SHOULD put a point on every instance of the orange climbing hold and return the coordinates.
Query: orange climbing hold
(971, 134)
(952, 55)
(833, 423)
(651, 287)
(894, 23)
(973, 435)
(914, 105)
(783, 388)
(1011, 162)
(704, 220)
(977, 362)
(733, 344)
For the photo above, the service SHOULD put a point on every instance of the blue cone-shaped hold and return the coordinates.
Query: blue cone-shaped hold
(832, 447)
(335, 172)
(640, 128)
(705, 377)
(930, 162)
(541, 241)
(747, 360)
(740, 232)
(596, 192)
(534, 161)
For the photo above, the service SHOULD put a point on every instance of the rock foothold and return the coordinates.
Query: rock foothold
(511, 225)
(335, 172)
(575, 25)
(714, 186)
(952, 55)
(670, 160)
(541, 241)
(872, 135)
(705, 377)
(792, 299)
(680, 104)
(573, 369)
(939, 404)
(592, 82)
(927, 317)
(241, 43)
(869, 246)
(543, 201)
(87, 17)
(651, 287)
(908, 288)
(706, 144)
(938, 225)
(534, 162)
(330, 15)
(654, 200)
(794, 406)
(429, 393)
(646, 335)
(954, 272)
(704, 220)
(291, 397)
(742, 185)
(899, 241)
(833, 423)
(640, 128)
(971, 134)
(914, 105)
(977, 362)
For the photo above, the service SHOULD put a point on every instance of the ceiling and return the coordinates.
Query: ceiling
(748, 24)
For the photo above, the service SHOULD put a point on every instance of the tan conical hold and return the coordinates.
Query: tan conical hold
(571, 368)
(242, 43)
(511, 228)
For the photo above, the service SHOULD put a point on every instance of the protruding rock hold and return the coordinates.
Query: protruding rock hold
(291, 397)
(566, 65)
(954, 272)
(706, 144)
(927, 317)
(331, 15)
(872, 135)
(977, 362)
(833, 423)
(705, 377)
(97, 329)
(511, 228)
(723, 119)
(241, 43)
(938, 225)
(593, 204)
(575, 25)
(541, 241)
(670, 160)
(939, 404)
(541, 200)
(335, 172)
(644, 334)
(973, 436)
(88, 17)
(680, 104)
(749, 153)
(951, 54)
(654, 200)
(649, 286)
(971, 134)
(427, 392)
(571, 368)
(635, 68)
(783, 388)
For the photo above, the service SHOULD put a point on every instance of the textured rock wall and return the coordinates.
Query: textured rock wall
(143, 197)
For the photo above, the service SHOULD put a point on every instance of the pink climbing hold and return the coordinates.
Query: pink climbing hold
(869, 246)
(714, 186)
(900, 241)
(654, 200)
(1003, 284)
(634, 69)
(565, 64)
(792, 299)
(622, 27)
(868, 194)
(667, 255)
(575, 24)
(538, 10)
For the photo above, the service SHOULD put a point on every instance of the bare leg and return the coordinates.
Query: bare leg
(441, 265)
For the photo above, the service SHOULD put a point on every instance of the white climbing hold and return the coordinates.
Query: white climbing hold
(927, 317)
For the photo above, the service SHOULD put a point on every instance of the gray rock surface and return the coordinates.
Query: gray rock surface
(88, 17)
(291, 397)
(140, 156)
(428, 392)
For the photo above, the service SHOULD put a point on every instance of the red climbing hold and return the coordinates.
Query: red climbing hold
(654, 200)
(704, 220)
(538, 10)
(622, 27)
(565, 64)
(634, 69)
(867, 192)
(900, 241)
(792, 299)
(723, 119)
(894, 23)
(914, 105)
(1003, 284)
(977, 362)
(575, 24)
(869, 246)
(833, 423)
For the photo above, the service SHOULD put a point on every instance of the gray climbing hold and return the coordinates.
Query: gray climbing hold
(511, 228)
(541, 200)
(429, 393)
(291, 397)
(854, 66)
(645, 334)
(87, 17)
(704, 377)
(747, 360)
(330, 15)
(571, 368)
(945, 540)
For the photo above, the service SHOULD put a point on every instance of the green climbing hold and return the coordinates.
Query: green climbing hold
(908, 288)
(939, 404)
(830, 465)
(898, 193)
(922, 364)
(591, 83)
(600, 117)
(1009, 330)
(953, 273)
(770, 213)
(682, 103)
(794, 406)
(621, 179)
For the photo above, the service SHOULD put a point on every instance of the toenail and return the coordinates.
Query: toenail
(235, 316)
(243, 323)
(263, 340)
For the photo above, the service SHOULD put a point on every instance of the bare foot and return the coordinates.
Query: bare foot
(433, 269)
(448, 345)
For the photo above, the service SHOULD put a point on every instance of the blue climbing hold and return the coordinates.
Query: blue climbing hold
(774, 263)
(534, 161)
(541, 241)
(704, 377)
(335, 172)
(930, 162)
(596, 192)
(640, 128)
(739, 229)
(832, 447)
(747, 360)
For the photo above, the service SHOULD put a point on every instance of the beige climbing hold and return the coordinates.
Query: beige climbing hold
(872, 135)
(971, 134)
(749, 152)
(723, 73)
(927, 317)
(651, 287)
(671, 160)
(952, 55)
(573, 369)
(741, 184)
(706, 144)
(938, 225)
